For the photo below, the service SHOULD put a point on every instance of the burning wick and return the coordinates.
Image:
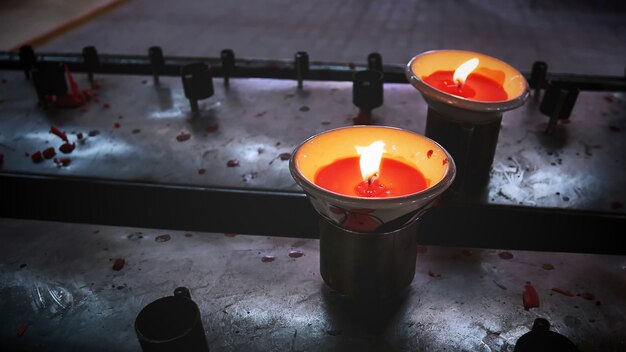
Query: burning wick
(370, 164)
(461, 73)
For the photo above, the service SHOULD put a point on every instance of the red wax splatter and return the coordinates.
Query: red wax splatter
(93, 133)
(36, 157)
(162, 238)
(117, 125)
(433, 274)
(79, 136)
(59, 133)
(505, 255)
(67, 148)
(304, 108)
(118, 264)
(260, 114)
(294, 253)
(267, 258)
(362, 118)
(106, 105)
(201, 171)
(563, 292)
(344, 175)
(49, 153)
(587, 295)
(232, 163)
(422, 249)
(530, 296)
(284, 156)
(62, 162)
(429, 153)
(608, 98)
(183, 137)
(21, 330)
(617, 205)
(212, 128)
(188, 235)
(476, 86)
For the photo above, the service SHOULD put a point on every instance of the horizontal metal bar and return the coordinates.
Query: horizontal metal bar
(276, 69)
(285, 214)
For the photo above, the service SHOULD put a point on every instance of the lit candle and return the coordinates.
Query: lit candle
(369, 174)
(466, 83)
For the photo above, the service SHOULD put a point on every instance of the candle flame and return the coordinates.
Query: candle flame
(370, 159)
(464, 70)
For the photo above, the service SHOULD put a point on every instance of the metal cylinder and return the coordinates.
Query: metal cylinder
(367, 265)
(473, 147)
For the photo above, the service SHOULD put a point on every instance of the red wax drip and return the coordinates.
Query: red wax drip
(396, 179)
(476, 86)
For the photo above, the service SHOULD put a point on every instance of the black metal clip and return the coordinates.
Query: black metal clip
(375, 62)
(228, 64)
(157, 61)
(538, 77)
(302, 67)
(197, 83)
(558, 103)
(91, 60)
(367, 91)
(27, 59)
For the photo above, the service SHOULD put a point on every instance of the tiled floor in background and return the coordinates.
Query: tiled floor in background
(571, 36)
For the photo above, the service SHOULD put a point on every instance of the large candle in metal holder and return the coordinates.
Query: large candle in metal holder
(467, 127)
(368, 244)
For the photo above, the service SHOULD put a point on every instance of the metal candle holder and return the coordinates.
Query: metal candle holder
(467, 128)
(368, 245)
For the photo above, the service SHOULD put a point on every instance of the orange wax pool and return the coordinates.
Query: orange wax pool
(476, 86)
(395, 178)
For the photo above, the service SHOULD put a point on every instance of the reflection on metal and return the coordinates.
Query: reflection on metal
(461, 299)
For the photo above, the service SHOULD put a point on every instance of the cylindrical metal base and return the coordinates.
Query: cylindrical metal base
(473, 147)
(367, 265)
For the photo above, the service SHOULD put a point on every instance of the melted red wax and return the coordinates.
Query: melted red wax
(49, 153)
(587, 295)
(563, 292)
(201, 171)
(79, 136)
(67, 148)
(212, 128)
(59, 133)
(344, 176)
(117, 125)
(429, 153)
(433, 274)
(162, 238)
(106, 106)
(37, 157)
(118, 264)
(530, 297)
(267, 258)
(62, 162)
(284, 156)
(294, 253)
(476, 86)
(93, 133)
(21, 329)
(505, 255)
(183, 137)
(232, 163)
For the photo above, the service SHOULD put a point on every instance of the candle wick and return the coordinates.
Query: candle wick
(459, 84)
(372, 179)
